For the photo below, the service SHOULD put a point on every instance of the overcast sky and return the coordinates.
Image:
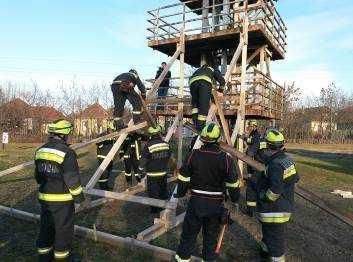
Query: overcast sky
(93, 41)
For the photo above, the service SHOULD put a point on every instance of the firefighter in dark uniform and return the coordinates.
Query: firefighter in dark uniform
(209, 173)
(253, 141)
(103, 148)
(153, 163)
(123, 88)
(58, 177)
(276, 196)
(201, 83)
(131, 153)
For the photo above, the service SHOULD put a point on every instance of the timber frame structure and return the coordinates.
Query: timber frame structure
(246, 40)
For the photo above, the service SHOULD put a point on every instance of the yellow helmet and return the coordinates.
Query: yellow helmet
(253, 123)
(274, 138)
(111, 126)
(210, 133)
(154, 130)
(60, 127)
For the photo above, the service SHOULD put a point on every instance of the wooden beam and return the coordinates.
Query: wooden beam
(113, 240)
(159, 80)
(159, 229)
(221, 116)
(173, 127)
(234, 61)
(74, 146)
(112, 152)
(172, 100)
(131, 198)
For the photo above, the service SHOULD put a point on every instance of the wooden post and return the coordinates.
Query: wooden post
(241, 110)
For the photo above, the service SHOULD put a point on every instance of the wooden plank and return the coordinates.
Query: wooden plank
(172, 100)
(221, 116)
(113, 240)
(159, 80)
(131, 198)
(234, 61)
(74, 146)
(172, 128)
(113, 152)
(159, 229)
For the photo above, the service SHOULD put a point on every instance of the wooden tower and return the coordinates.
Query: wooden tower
(240, 36)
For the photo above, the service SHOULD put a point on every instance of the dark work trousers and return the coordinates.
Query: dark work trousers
(251, 191)
(56, 231)
(162, 93)
(200, 100)
(131, 163)
(202, 213)
(157, 188)
(273, 236)
(119, 103)
(103, 181)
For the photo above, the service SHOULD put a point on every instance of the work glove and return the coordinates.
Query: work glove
(229, 86)
(143, 96)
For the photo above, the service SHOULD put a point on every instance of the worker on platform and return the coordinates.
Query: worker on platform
(164, 86)
(58, 177)
(201, 84)
(276, 196)
(209, 173)
(123, 88)
(130, 151)
(153, 163)
(253, 141)
(103, 148)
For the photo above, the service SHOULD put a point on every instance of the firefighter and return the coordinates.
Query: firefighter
(209, 173)
(164, 86)
(131, 153)
(58, 177)
(103, 148)
(276, 196)
(253, 141)
(153, 163)
(123, 88)
(201, 83)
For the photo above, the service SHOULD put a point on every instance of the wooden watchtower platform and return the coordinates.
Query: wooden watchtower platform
(228, 31)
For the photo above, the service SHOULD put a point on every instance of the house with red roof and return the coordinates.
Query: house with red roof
(91, 121)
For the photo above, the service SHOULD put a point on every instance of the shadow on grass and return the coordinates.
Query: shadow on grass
(336, 162)
(17, 180)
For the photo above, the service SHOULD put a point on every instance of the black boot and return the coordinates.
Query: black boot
(119, 124)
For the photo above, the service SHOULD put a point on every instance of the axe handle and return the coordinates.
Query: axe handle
(220, 239)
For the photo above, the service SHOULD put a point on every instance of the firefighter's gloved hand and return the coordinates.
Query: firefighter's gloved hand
(229, 86)
(143, 96)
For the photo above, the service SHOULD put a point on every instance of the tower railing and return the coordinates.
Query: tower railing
(166, 21)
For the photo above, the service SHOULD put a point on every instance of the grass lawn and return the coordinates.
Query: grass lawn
(312, 234)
